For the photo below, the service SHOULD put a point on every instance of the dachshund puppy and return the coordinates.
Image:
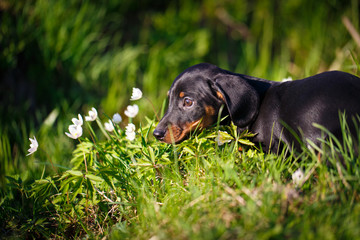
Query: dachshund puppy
(276, 111)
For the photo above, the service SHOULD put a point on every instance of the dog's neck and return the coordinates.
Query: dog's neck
(259, 84)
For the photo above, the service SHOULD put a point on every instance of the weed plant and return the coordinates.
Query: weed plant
(214, 185)
(103, 185)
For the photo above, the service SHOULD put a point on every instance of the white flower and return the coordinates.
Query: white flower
(77, 122)
(288, 79)
(92, 115)
(130, 127)
(75, 131)
(130, 136)
(109, 126)
(298, 177)
(136, 94)
(223, 137)
(117, 118)
(132, 110)
(33, 146)
(130, 132)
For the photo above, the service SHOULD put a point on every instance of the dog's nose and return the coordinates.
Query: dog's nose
(159, 134)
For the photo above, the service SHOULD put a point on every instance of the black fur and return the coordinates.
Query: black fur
(272, 110)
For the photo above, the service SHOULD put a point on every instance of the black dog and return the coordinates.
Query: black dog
(272, 110)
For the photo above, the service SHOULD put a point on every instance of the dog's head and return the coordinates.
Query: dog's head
(196, 96)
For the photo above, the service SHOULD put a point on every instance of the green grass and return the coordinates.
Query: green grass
(194, 190)
(89, 53)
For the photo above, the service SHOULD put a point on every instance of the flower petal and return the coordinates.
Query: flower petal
(130, 127)
(109, 126)
(117, 118)
(78, 121)
(92, 115)
(132, 110)
(130, 135)
(33, 146)
(75, 131)
(136, 94)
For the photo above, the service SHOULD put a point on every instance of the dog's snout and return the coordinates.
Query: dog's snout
(159, 134)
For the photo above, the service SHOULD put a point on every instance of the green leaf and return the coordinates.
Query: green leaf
(77, 189)
(189, 150)
(75, 173)
(246, 142)
(94, 178)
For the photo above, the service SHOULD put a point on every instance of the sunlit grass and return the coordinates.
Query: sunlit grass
(106, 183)
(200, 189)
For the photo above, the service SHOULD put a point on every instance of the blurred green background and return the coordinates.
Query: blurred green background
(62, 57)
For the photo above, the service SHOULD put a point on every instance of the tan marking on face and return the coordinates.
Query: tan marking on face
(172, 134)
(195, 124)
(182, 94)
(220, 96)
(210, 111)
(177, 133)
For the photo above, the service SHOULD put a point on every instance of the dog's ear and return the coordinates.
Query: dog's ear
(241, 99)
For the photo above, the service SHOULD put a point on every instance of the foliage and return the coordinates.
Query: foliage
(199, 189)
(59, 57)
(91, 52)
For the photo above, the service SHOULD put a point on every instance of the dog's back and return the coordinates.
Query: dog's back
(297, 105)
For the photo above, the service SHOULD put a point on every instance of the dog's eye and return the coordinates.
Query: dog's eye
(188, 102)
